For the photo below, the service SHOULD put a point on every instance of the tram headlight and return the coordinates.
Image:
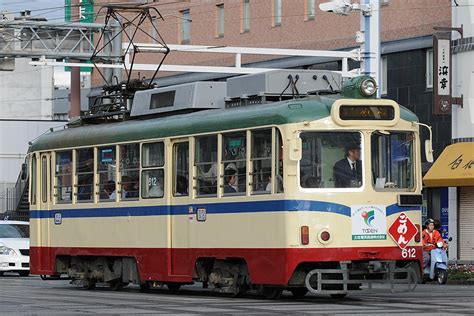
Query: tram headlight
(324, 236)
(368, 87)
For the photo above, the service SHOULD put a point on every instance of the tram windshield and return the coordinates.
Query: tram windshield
(392, 160)
(331, 160)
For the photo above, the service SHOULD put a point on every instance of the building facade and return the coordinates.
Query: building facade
(455, 167)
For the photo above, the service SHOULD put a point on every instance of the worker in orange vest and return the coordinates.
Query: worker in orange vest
(430, 238)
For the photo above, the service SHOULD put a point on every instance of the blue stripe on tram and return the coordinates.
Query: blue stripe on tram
(211, 208)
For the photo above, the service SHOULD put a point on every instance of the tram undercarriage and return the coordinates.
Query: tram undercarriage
(231, 276)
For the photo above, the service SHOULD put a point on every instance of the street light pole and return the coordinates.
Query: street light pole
(370, 26)
(75, 111)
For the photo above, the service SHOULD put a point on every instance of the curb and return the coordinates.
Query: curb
(461, 282)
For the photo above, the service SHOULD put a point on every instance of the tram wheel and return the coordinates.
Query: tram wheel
(338, 295)
(145, 287)
(299, 292)
(117, 285)
(88, 284)
(173, 287)
(271, 292)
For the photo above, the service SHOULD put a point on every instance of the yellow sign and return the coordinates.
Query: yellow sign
(453, 168)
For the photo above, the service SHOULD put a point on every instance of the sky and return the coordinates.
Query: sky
(52, 10)
(48, 8)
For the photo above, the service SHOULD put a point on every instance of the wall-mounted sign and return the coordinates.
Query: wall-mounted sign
(442, 74)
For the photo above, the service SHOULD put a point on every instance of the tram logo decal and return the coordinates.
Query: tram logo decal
(368, 217)
(369, 222)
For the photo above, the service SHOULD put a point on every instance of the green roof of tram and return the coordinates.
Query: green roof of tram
(292, 111)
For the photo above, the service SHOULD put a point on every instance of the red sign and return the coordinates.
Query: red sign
(402, 230)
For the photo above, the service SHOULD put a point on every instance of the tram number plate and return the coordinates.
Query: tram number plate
(408, 253)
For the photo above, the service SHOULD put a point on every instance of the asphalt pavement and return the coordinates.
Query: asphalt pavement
(33, 296)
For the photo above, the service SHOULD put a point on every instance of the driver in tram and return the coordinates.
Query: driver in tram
(348, 171)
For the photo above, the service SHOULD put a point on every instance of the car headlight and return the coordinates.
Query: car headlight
(7, 251)
(368, 87)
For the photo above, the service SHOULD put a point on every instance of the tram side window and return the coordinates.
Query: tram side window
(278, 162)
(33, 180)
(44, 179)
(181, 169)
(106, 169)
(63, 173)
(153, 175)
(234, 161)
(206, 165)
(85, 174)
(261, 160)
(392, 160)
(129, 170)
(331, 160)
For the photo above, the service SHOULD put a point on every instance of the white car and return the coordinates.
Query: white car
(15, 247)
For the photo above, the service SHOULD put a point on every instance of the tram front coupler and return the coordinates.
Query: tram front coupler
(352, 276)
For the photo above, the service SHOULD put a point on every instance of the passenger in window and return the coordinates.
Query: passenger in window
(129, 189)
(181, 185)
(108, 189)
(156, 190)
(230, 181)
(84, 190)
(311, 182)
(348, 171)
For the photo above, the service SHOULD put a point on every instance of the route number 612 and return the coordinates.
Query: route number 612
(408, 253)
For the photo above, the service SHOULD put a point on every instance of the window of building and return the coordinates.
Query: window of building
(331, 160)
(106, 172)
(310, 9)
(181, 169)
(261, 161)
(153, 174)
(129, 170)
(220, 20)
(392, 160)
(44, 179)
(383, 75)
(234, 162)
(63, 174)
(33, 178)
(206, 165)
(185, 27)
(429, 69)
(276, 12)
(85, 174)
(246, 16)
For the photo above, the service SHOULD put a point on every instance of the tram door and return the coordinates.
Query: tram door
(44, 197)
(180, 252)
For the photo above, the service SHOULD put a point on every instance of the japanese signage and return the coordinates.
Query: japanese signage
(369, 222)
(402, 230)
(85, 14)
(86, 11)
(442, 73)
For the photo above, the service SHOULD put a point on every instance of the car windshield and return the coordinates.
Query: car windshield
(14, 231)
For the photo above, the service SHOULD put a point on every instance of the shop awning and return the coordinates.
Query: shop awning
(453, 168)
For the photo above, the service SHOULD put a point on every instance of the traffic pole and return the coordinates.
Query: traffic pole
(75, 100)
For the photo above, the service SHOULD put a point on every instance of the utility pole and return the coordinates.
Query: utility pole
(370, 26)
(75, 111)
(369, 35)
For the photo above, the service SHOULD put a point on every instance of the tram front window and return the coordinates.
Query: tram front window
(331, 160)
(392, 160)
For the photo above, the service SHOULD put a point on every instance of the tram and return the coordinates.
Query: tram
(320, 193)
